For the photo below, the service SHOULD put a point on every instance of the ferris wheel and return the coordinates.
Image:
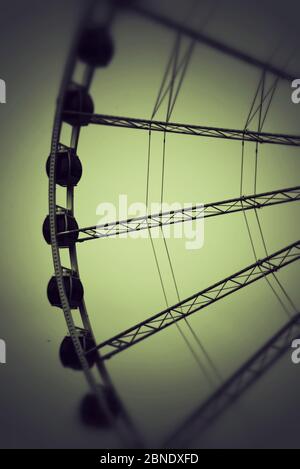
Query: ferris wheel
(92, 50)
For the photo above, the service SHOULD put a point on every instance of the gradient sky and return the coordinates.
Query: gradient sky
(158, 380)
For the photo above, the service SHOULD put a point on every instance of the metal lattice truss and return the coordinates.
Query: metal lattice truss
(200, 300)
(210, 41)
(197, 130)
(189, 214)
(238, 383)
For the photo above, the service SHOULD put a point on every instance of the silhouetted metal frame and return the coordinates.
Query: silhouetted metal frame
(58, 269)
(199, 300)
(188, 214)
(192, 129)
(232, 389)
(265, 266)
(103, 379)
(209, 41)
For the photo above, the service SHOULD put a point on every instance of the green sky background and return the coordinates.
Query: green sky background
(158, 380)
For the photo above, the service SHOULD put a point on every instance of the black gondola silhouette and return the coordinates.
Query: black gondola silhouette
(94, 47)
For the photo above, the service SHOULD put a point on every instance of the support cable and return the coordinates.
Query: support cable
(200, 300)
(261, 123)
(261, 120)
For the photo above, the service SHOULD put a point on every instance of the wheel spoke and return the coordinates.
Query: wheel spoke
(200, 300)
(237, 384)
(183, 215)
(212, 43)
(189, 129)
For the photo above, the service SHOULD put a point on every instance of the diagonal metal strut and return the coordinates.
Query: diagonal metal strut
(237, 384)
(190, 129)
(200, 300)
(211, 42)
(187, 214)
